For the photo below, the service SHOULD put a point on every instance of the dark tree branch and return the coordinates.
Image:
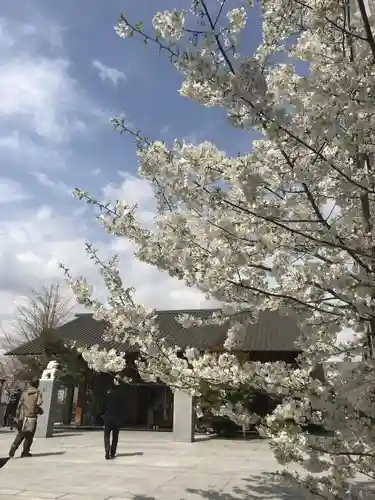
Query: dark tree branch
(367, 26)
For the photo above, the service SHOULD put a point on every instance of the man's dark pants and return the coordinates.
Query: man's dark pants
(111, 428)
(9, 416)
(26, 437)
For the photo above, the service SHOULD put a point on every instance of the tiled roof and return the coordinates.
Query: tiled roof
(273, 332)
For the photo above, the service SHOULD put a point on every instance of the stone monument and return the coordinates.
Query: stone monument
(183, 417)
(51, 371)
(49, 387)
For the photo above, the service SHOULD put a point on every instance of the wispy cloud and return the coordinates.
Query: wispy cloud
(41, 103)
(108, 74)
(132, 189)
(28, 152)
(57, 186)
(164, 131)
(40, 95)
(55, 114)
(11, 191)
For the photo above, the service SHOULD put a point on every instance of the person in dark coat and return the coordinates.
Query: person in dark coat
(11, 408)
(112, 418)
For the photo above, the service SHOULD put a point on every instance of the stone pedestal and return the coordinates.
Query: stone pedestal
(49, 389)
(183, 417)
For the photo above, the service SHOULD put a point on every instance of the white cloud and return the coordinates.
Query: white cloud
(10, 142)
(38, 92)
(164, 131)
(32, 31)
(111, 74)
(56, 186)
(134, 191)
(41, 31)
(6, 39)
(22, 150)
(11, 191)
(42, 106)
(154, 288)
(34, 242)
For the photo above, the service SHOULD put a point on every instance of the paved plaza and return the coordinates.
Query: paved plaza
(149, 466)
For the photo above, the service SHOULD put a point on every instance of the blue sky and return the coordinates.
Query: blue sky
(63, 74)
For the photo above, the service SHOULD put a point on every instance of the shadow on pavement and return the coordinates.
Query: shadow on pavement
(268, 487)
(135, 454)
(210, 437)
(264, 486)
(3, 461)
(48, 454)
(66, 434)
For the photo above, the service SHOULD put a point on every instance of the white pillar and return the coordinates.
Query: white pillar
(183, 417)
(49, 390)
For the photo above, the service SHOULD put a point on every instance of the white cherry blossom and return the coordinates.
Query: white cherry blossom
(288, 227)
(237, 19)
(169, 24)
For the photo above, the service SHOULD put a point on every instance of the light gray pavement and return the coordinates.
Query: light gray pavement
(149, 466)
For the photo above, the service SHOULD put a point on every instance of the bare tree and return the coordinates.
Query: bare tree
(41, 312)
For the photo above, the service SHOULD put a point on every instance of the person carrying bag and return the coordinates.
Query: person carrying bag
(29, 407)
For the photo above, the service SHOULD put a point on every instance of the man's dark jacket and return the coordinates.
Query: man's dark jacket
(113, 407)
(13, 401)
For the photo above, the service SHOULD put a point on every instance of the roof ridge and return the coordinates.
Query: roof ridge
(206, 309)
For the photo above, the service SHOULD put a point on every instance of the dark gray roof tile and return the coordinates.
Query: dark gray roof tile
(273, 332)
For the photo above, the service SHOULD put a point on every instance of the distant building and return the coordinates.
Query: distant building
(148, 405)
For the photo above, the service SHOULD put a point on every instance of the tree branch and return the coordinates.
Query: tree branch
(367, 26)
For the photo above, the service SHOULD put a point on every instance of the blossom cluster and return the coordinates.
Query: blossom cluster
(169, 25)
(104, 361)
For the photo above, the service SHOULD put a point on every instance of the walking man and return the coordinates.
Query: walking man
(112, 418)
(29, 407)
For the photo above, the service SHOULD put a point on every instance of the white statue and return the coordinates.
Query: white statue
(51, 371)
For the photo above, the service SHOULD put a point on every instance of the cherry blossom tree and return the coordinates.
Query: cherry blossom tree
(287, 227)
